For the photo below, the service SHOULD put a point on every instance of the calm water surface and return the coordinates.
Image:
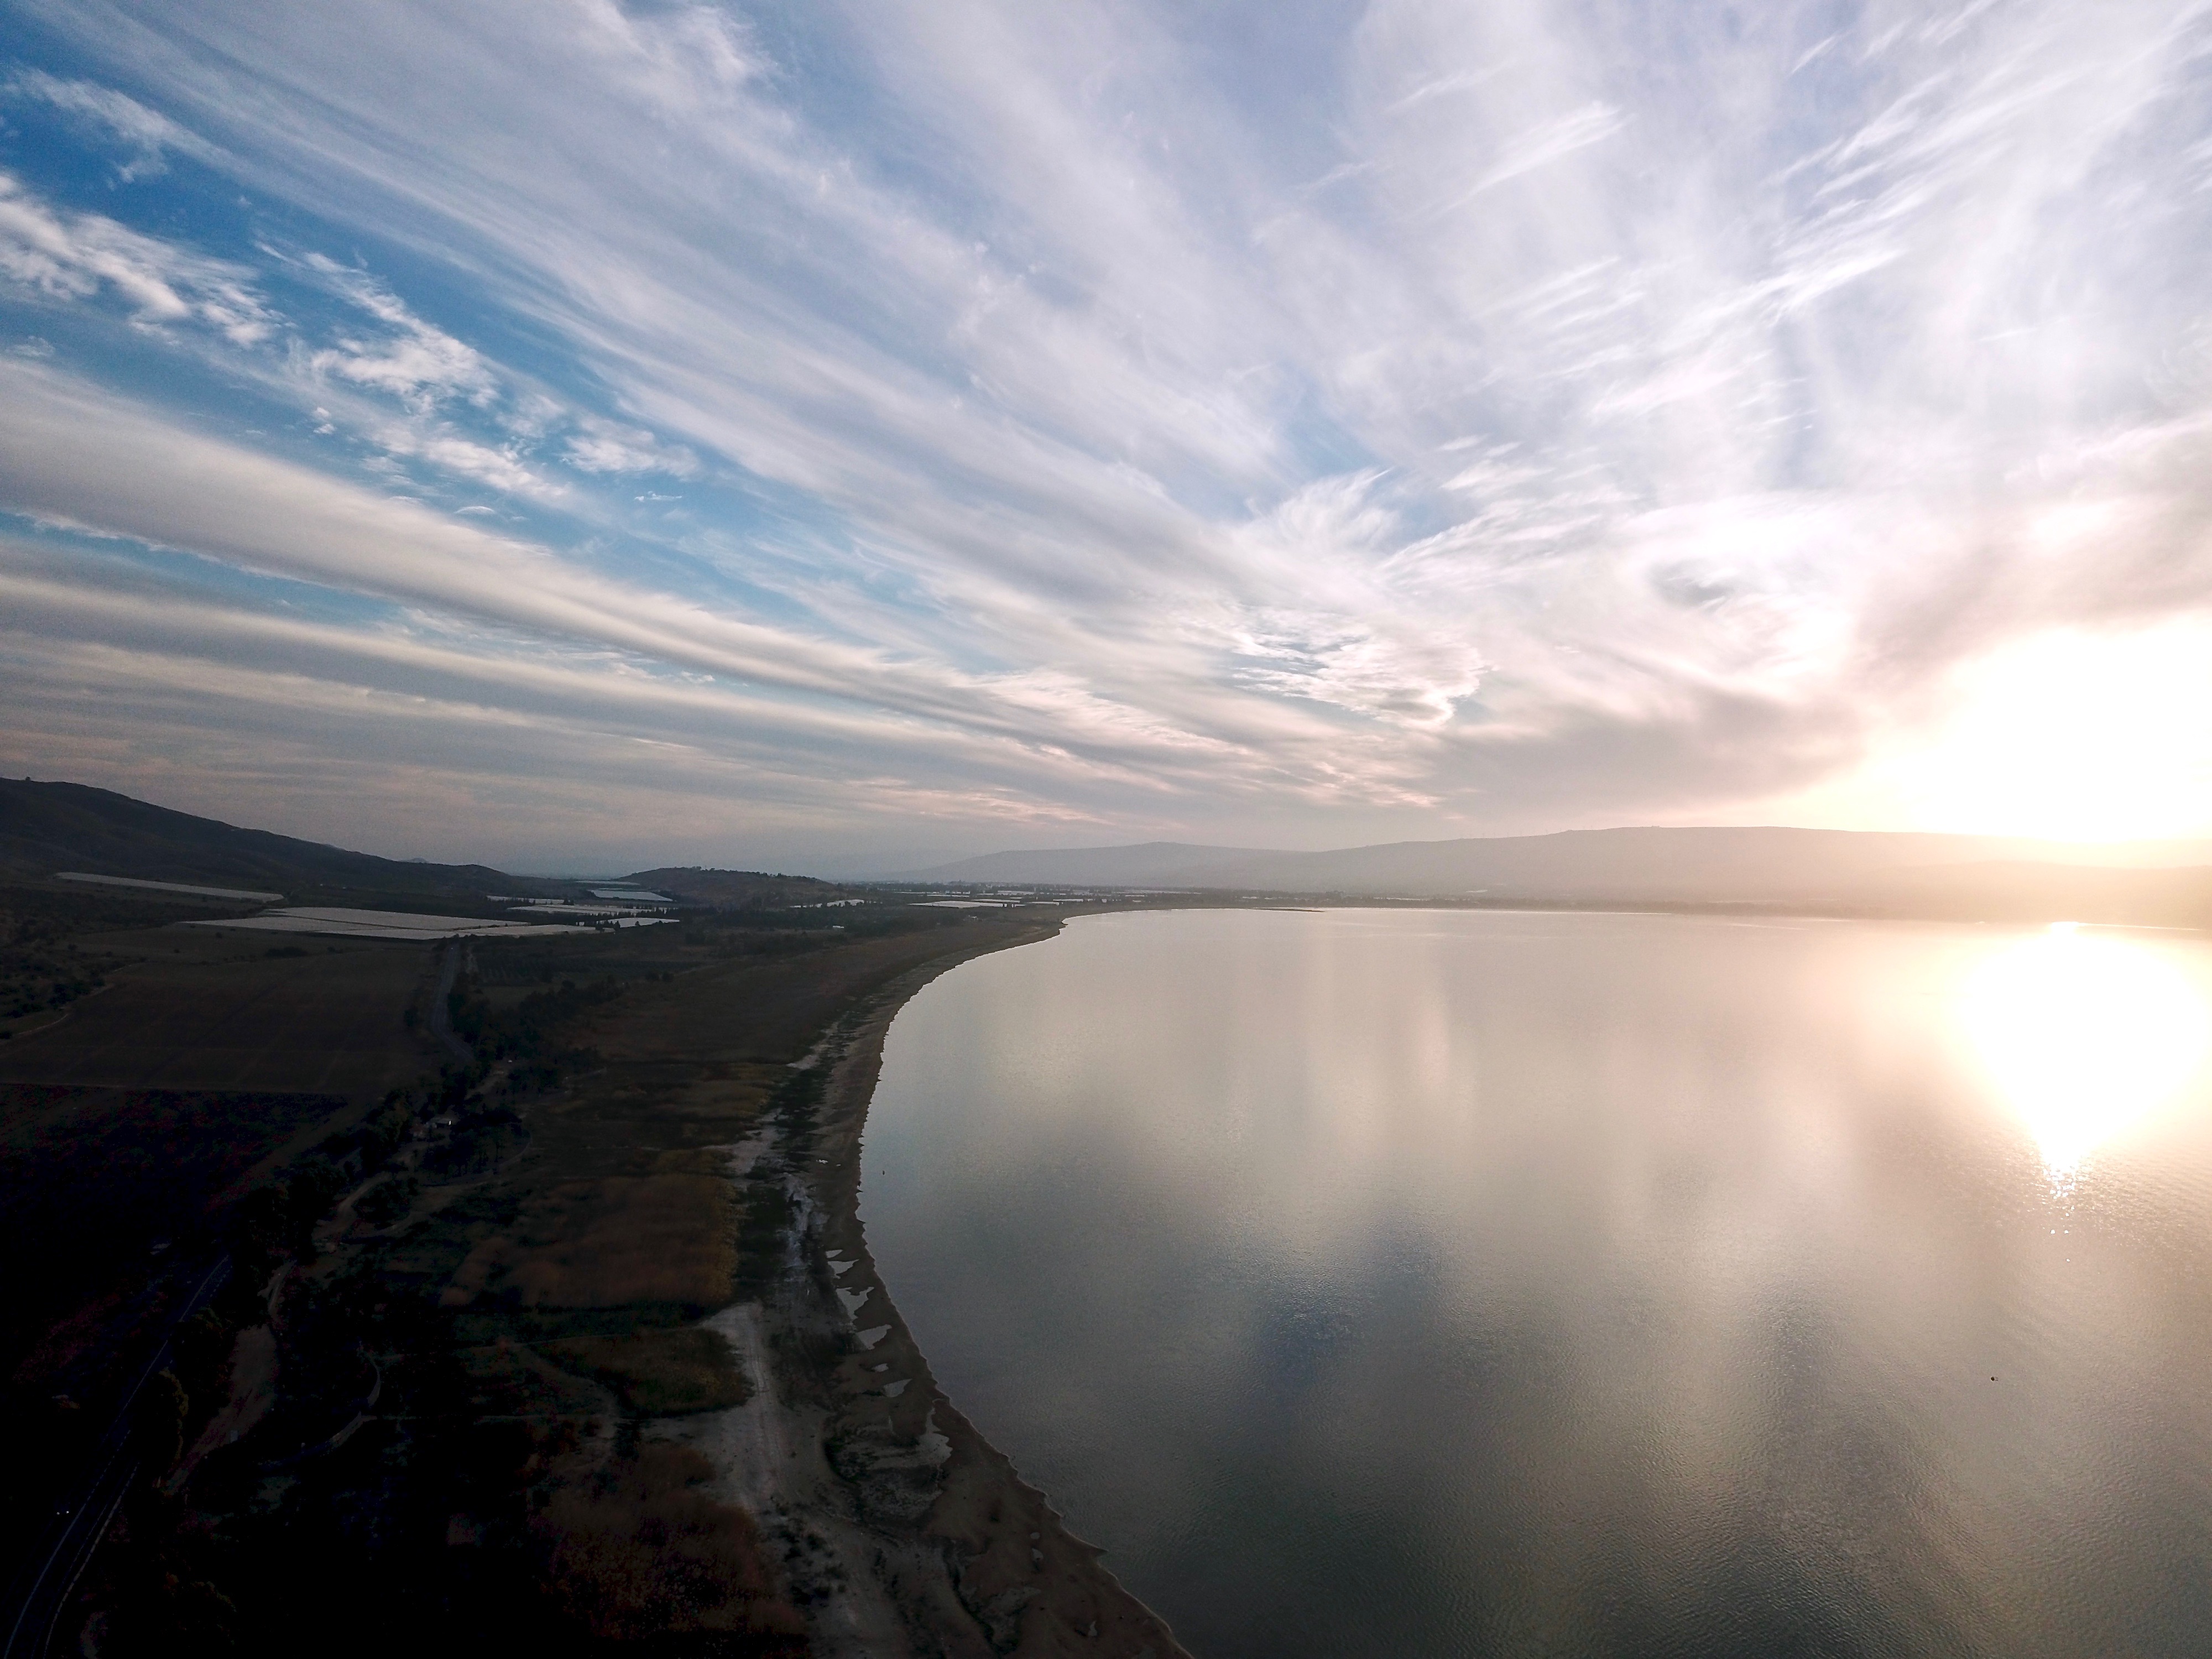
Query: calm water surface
(1446, 1283)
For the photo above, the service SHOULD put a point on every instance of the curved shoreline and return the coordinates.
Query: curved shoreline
(930, 1541)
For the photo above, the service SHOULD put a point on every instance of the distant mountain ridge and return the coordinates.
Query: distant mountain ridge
(1880, 872)
(1146, 864)
(47, 827)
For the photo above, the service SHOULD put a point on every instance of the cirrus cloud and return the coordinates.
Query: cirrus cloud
(1418, 420)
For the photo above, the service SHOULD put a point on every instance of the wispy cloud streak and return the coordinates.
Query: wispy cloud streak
(1638, 419)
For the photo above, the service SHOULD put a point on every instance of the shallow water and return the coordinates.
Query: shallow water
(1409, 1283)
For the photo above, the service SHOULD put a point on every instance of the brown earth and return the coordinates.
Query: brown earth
(149, 1107)
(251, 1390)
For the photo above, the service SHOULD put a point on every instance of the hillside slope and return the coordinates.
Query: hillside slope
(50, 827)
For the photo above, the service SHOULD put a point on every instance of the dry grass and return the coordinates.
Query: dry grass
(696, 1160)
(661, 1373)
(637, 1551)
(511, 1378)
(665, 1238)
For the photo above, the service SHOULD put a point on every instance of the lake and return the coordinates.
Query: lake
(1403, 1283)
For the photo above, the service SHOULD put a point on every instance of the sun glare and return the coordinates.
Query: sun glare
(2085, 1034)
(2074, 736)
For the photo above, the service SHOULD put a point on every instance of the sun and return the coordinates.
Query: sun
(2071, 735)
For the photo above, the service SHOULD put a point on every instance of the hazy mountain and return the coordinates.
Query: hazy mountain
(1151, 864)
(1698, 866)
(48, 827)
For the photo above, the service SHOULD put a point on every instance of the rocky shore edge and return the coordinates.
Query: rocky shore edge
(899, 1529)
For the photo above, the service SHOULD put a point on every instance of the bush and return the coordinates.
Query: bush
(385, 1202)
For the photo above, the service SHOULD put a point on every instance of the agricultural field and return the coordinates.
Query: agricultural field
(182, 1008)
(50, 952)
(183, 1069)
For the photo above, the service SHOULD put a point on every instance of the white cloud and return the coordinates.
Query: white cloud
(76, 256)
(72, 455)
(501, 468)
(1553, 141)
(1628, 422)
(413, 359)
(147, 133)
(607, 447)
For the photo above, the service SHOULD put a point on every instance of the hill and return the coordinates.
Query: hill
(1148, 864)
(50, 827)
(1855, 871)
(735, 889)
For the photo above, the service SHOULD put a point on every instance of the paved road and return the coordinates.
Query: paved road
(41, 1592)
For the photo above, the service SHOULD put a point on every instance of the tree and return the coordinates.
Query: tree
(162, 1412)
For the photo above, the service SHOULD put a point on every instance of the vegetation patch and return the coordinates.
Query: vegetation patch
(45, 961)
(601, 1244)
(512, 1380)
(93, 1181)
(639, 1553)
(663, 1373)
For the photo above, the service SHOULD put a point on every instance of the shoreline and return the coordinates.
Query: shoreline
(903, 1531)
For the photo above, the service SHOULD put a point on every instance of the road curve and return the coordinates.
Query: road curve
(42, 1591)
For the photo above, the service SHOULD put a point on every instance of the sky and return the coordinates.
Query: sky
(841, 436)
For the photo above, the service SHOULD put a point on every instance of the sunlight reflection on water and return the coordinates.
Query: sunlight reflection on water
(2085, 1034)
(1376, 1283)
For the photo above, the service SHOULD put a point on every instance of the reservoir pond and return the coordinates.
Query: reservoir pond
(1406, 1283)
